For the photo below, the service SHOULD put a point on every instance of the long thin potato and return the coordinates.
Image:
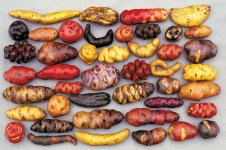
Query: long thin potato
(26, 15)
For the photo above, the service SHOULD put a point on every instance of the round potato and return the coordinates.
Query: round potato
(58, 105)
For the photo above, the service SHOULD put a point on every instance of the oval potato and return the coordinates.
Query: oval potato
(43, 34)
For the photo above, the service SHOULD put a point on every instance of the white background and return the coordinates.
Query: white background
(216, 20)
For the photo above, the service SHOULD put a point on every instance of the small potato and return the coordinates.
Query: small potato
(43, 34)
(168, 85)
(58, 105)
(208, 129)
(198, 32)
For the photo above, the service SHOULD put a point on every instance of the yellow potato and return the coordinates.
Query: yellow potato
(144, 51)
(29, 113)
(102, 139)
(88, 53)
(114, 54)
(198, 32)
(59, 16)
(26, 15)
(199, 72)
(190, 16)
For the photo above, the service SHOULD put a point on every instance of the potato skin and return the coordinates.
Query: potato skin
(101, 15)
(199, 72)
(29, 113)
(169, 102)
(98, 118)
(144, 51)
(102, 139)
(152, 137)
(54, 52)
(208, 129)
(43, 34)
(190, 16)
(27, 94)
(202, 110)
(197, 51)
(19, 74)
(132, 92)
(26, 15)
(168, 85)
(198, 90)
(58, 105)
(68, 87)
(124, 33)
(198, 32)
(180, 131)
(169, 51)
(143, 116)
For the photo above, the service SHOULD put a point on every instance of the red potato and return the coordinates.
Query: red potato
(68, 88)
(59, 72)
(70, 31)
(180, 131)
(202, 110)
(136, 16)
(19, 75)
(142, 116)
(169, 51)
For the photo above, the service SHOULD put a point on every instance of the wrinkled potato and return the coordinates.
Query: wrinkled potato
(43, 34)
(88, 53)
(113, 54)
(166, 71)
(190, 16)
(199, 72)
(58, 105)
(198, 32)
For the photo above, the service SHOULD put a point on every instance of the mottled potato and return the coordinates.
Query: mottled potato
(58, 105)
(198, 32)
(199, 72)
(43, 34)
(168, 85)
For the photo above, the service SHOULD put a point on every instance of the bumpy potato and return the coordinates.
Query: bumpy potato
(58, 105)
(166, 71)
(100, 77)
(190, 16)
(113, 54)
(43, 34)
(100, 15)
(169, 51)
(54, 52)
(198, 32)
(168, 85)
(144, 51)
(88, 53)
(198, 90)
(199, 72)
(29, 113)
(124, 33)
(198, 51)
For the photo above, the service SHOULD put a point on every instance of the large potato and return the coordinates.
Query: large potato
(190, 16)
(54, 52)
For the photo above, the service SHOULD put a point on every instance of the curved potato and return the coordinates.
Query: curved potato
(190, 16)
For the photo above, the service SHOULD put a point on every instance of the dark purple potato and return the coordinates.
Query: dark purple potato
(208, 129)
(18, 31)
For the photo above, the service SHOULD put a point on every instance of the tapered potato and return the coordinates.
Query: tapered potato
(43, 34)
(190, 16)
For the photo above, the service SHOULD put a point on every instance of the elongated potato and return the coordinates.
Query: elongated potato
(102, 139)
(199, 72)
(190, 16)
(43, 34)
(198, 32)
(26, 15)
(198, 90)
(29, 113)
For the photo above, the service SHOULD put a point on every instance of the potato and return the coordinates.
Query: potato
(168, 85)
(29, 113)
(199, 72)
(198, 32)
(113, 54)
(58, 105)
(26, 15)
(208, 129)
(43, 34)
(198, 90)
(54, 52)
(102, 139)
(198, 51)
(190, 16)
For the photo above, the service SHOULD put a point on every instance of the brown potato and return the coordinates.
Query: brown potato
(54, 52)
(58, 105)
(43, 34)
(198, 32)
(168, 85)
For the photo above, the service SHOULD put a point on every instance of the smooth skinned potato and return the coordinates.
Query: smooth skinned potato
(43, 34)
(190, 16)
